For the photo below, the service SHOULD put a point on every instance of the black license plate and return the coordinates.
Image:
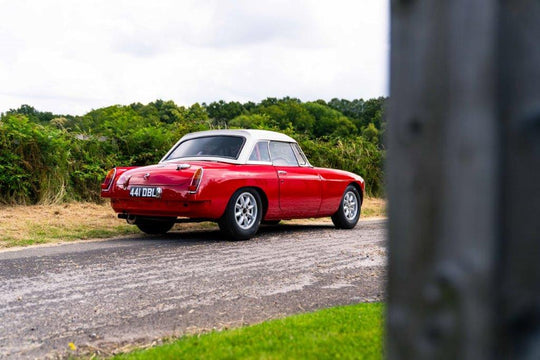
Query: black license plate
(145, 192)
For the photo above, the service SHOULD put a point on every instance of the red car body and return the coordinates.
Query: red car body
(201, 186)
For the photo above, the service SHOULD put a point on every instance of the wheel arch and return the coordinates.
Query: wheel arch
(264, 200)
(259, 190)
(229, 222)
(262, 195)
(359, 189)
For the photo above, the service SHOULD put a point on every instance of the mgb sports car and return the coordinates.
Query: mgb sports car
(237, 178)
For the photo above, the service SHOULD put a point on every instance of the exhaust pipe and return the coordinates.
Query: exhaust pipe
(131, 219)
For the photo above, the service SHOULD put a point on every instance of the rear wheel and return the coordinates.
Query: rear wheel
(348, 213)
(153, 226)
(243, 215)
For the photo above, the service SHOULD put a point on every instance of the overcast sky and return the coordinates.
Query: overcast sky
(73, 56)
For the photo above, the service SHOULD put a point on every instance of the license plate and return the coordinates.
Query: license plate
(145, 192)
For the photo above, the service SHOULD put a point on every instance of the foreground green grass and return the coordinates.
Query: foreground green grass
(348, 332)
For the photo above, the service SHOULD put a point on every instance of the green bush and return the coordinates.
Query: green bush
(353, 154)
(33, 162)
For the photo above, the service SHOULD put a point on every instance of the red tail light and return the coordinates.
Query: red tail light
(195, 181)
(106, 186)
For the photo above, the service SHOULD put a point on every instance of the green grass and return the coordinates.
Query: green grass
(80, 232)
(348, 332)
(40, 235)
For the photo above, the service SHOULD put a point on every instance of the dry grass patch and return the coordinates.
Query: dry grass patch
(40, 224)
(373, 208)
(37, 224)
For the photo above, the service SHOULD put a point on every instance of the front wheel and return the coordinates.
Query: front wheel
(243, 215)
(348, 213)
(153, 227)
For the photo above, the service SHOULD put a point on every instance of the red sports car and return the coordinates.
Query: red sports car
(237, 178)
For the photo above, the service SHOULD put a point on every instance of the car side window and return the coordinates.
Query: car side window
(300, 155)
(282, 154)
(260, 152)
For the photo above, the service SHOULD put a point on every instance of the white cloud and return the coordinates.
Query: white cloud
(70, 57)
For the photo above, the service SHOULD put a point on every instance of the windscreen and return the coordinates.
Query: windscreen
(210, 146)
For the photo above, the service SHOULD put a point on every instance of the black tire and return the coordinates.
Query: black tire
(154, 227)
(243, 215)
(348, 212)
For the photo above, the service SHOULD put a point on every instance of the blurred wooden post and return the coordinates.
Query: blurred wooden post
(463, 176)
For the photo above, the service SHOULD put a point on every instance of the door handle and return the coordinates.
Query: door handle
(282, 172)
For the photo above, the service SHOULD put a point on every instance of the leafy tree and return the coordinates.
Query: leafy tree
(287, 113)
(328, 121)
(276, 115)
(249, 106)
(32, 114)
(372, 112)
(168, 111)
(196, 114)
(371, 133)
(269, 101)
(222, 112)
(352, 109)
(251, 121)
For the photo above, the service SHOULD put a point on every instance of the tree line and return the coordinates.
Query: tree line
(46, 157)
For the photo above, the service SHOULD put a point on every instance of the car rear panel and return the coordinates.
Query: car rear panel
(173, 180)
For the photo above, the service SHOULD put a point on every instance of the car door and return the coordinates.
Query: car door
(299, 186)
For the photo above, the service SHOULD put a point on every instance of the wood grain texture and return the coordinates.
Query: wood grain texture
(463, 180)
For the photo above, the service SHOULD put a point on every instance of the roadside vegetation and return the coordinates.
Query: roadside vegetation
(50, 158)
(22, 225)
(347, 332)
(41, 224)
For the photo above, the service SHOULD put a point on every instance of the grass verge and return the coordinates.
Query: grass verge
(373, 207)
(347, 332)
(40, 224)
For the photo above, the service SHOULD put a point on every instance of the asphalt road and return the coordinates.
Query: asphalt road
(104, 295)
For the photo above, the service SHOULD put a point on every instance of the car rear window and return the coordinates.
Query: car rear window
(209, 146)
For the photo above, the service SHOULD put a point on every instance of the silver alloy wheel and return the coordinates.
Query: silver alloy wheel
(245, 210)
(350, 205)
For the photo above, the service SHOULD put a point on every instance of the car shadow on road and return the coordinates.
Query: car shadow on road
(280, 228)
(187, 237)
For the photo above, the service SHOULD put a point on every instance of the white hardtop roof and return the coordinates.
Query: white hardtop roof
(252, 137)
(251, 134)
